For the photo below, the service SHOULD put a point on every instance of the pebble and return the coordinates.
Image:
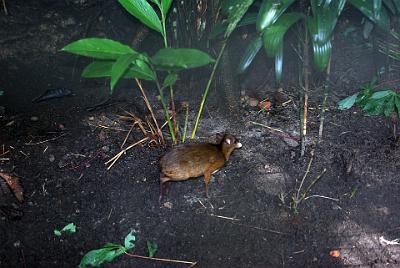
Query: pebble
(253, 102)
(105, 148)
(291, 142)
(34, 118)
(52, 158)
(168, 205)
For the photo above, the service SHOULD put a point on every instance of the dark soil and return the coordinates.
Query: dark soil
(60, 158)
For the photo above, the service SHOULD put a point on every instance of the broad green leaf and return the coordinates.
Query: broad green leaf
(151, 248)
(98, 48)
(143, 11)
(374, 107)
(250, 53)
(381, 94)
(270, 11)
(57, 232)
(170, 80)
(348, 102)
(390, 6)
(321, 25)
(389, 106)
(397, 103)
(235, 14)
(367, 8)
(165, 6)
(397, 5)
(377, 5)
(227, 5)
(119, 68)
(180, 58)
(139, 70)
(220, 27)
(273, 35)
(129, 241)
(97, 257)
(322, 53)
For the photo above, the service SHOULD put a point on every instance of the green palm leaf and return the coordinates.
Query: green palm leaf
(250, 53)
(374, 11)
(270, 11)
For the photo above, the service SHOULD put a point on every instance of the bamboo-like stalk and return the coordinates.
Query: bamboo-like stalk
(306, 74)
(326, 94)
(208, 88)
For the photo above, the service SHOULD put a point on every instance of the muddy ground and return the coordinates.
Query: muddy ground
(58, 150)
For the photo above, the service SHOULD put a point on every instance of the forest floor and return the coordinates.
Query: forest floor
(58, 149)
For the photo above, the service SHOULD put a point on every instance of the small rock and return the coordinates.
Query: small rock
(105, 148)
(253, 102)
(168, 205)
(290, 142)
(52, 158)
(91, 118)
(34, 118)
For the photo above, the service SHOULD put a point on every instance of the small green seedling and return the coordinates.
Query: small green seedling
(68, 229)
(152, 248)
(375, 102)
(107, 253)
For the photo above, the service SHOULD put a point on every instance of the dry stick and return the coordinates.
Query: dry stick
(192, 263)
(151, 111)
(326, 93)
(305, 175)
(271, 130)
(117, 156)
(40, 142)
(306, 73)
(127, 135)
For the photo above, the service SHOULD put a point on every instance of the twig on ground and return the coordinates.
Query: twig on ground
(117, 156)
(271, 130)
(223, 217)
(160, 135)
(41, 142)
(260, 229)
(192, 263)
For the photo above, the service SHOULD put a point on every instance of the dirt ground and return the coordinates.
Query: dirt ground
(58, 150)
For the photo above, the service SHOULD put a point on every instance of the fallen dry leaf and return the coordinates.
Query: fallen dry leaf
(15, 186)
(265, 105)
(334, 253)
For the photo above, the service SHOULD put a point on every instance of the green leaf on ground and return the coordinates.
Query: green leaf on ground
(68, 229)
(151, 248)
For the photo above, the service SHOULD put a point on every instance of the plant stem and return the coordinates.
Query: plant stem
(208, 87)
(326, 93)
(306, 73)
(162, 100)
(186, 123)
(305, 176)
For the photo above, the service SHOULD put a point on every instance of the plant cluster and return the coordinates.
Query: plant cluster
(380, 101)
